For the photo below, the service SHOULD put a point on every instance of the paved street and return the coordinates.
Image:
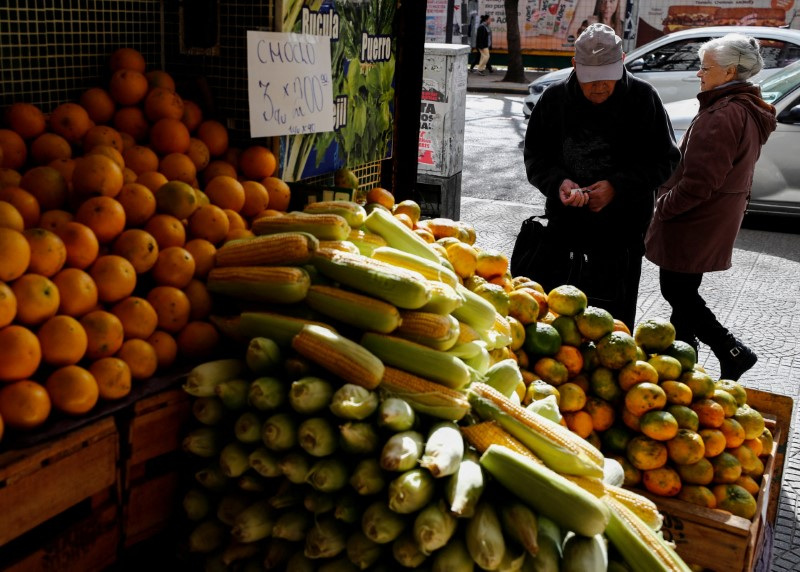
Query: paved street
(758, 299)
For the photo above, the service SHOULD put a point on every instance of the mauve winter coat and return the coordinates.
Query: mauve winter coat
(700, 208)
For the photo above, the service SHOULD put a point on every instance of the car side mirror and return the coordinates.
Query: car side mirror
(636, 65)
(791, 115)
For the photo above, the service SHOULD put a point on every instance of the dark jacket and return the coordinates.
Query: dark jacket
(701, 207)
(484, 38)
(626, 140)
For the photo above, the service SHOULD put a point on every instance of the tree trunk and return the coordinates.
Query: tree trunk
(516, 71)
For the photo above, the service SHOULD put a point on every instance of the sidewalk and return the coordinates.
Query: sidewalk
(493, 82)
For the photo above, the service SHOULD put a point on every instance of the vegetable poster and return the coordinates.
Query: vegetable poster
(362, 52)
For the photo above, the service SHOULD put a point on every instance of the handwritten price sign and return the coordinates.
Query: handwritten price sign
(289, 84)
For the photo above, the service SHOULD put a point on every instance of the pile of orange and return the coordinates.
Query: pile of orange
(111, 211)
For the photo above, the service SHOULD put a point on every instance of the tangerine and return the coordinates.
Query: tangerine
(140, 357)
(24, 405)
(78, 292)
(63, 341)
(113, 377)
(72, 389)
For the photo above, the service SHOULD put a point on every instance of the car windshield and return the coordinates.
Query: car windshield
(776, 86)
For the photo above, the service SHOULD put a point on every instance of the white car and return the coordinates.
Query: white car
(670, 63)
(776, 181)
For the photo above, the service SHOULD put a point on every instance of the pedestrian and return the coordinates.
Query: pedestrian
(598, 144)
(474, 54)
(483, 42)
(700, 208)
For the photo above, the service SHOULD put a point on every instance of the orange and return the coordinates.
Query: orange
(127, 86)
(604, 385)
(601, 412)
(162, 102)
(746, 458)
(176, 198)
(10, 217)
(658, 425)
(80, 243)
(172, 307)
(203, 253)
(714, 441)
(178, 166)
(115, 277)
(71, 121)
(8, 177)
(166, 348)
(256, 198)
(174, 267)
(138, 202)
(20, 353)
(63, 341)
(140, 159)
(687, 419)
(24, 405)
(566, 325)
(279, 193)
(127, 59)
(751, 420)
(634, 372)
(749, 484)
(225, 192)
(215, 135)
(699, 495)
(235, 221)
(131, 120)
(73, 390)
(646, 454)
(98, 104)
(102, 135)
(572, 359)
(113, 377)
(218, 167)
(733, 431)
(65, 166)
(48, 253)
(24, 202)
(55, 220)
(573, 397)
(140, 357)
(47, 185)
(104, 332)
(406, 220)
(198, 153)
(199, 298)
(700, 383)
(668, 367)
(138, 247)
(709, 412)
(409, 208)
(37, 299)
(160, 78)
(137, 315)
(663, 481)
(678, 393)
(686, 447)
(644, 397)
(49, 147)
(579, 422)
(167, 230)
(736, 500)
(566, 300)
(197, 339)
(699, 473)
(630, 420)
(169, 136)
(209, 222)
(77, 290)
(616, 349)
(381, 196)
(192, 115)
(755, 445)
(491, 263)
(257, 162)
(104, 215)
(8, 306)
(97, 174)
(15, 254)
(13, 151)
(727, 468)
(551, 370)
(26, 120)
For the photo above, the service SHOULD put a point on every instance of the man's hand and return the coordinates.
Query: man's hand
(600, 194)
(572, 195)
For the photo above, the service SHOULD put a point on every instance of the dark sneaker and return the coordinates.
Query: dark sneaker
(481, 73)
(736, 360)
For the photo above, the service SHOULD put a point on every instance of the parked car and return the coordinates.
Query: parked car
(776, 181)
(670, 63)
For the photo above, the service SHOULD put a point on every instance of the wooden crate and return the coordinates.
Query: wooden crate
(151, 463)
(720, 541)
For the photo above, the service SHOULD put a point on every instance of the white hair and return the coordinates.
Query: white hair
(737, 51)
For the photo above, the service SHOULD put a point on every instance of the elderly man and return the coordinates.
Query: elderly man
(598, 145)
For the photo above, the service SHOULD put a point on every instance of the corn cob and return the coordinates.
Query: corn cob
(403, 288)
(366, 242)
(475, 311)
(350, 211)
(277, 284)
(430, 270)
(641, 506)
(341, 356)
(584, 554)
(342, 245)
(481, 435)
(546, 491)
(521, 524)
(467, 333)
(642, 548)
(434, 526)
(203, 378)
(254, 523)
(485, 541)
(437, 331)
(323, 226)
(283, 249)
(557, 446)
(277, 327)
(443, 449)
(464, 488)
(444, 299)
(425, 396)
(357, 310)
(416, 358)
(504, 376)
(398, 235)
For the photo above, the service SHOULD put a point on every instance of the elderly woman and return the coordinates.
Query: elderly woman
(700, 208)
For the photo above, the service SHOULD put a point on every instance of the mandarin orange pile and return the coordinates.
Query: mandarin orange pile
(111, 211)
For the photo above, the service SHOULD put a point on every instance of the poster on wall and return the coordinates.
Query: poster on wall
(436, 22)
(363, 54)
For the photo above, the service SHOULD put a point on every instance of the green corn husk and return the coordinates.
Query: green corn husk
(230, 505)
(325, 539)
(504, 376)
(203, 378)
(411, 491)
(264, 463)
(279, 432)
(213, 563)
(513, 558)
(310, 395)
(406, 551)
(328, 475)
(349, 507)
(254, 522)
(318, 437)
(352, 401)
(233, 393)
(288, 495)
(520, 524)
(464, 488)
(443, 449)
(433, 527)
(454, 557)
(547, 408)
(247, 427)
(296, 367)
(381, 524)
(362, 551)
(396, 414)
(196, 504)
(208, 410)
(295, 465)
(276, 554)
(298, 562)
(207, 536)
(317, 502)
(548, 558)
(262, 356)
(584, 553)
(292, 525)
(252, 483)
(237, 551)
(484, 535)
(341, 564)
(368, 477)
(233, 459)
(266, 393)
(359, 437)
(204, 442)
(402, 451)
(212, 478)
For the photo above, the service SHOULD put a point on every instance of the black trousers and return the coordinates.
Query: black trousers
(623, 306)
(691, 316)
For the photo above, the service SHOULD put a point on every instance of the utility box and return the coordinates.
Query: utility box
(441, 131)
